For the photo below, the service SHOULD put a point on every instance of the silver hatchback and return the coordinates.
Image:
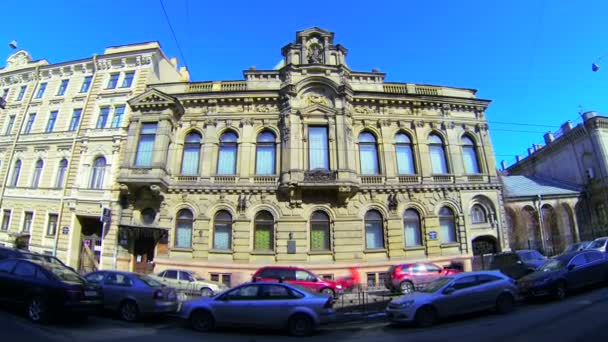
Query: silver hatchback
(454, 295)
(263, 305)
(133, 295)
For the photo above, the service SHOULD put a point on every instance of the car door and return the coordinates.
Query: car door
(97, 279)
(307, 280)
(460, 297)
(116, 287)
(488, 288)
(596, 267)
(237, 307)
(431, 272)
(24, 282)
(7, 286)
(275, 301)
(186, 282)
(171, 278)
(578, 273)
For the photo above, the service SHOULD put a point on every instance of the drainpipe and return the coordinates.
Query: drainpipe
(72, 153)
(18, 135)
(540, 223)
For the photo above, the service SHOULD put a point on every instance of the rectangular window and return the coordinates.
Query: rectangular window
(27, 221)
(145, 147)
(113, 81)
(104, 112)
(318, 151)
(50, 125)
(223, 278)
(5, 93)
(6, 219)
(30, 123)
(126, 83)
(51, 228)
(75, 119)
(21, 93)
(86, 84)
(9, 126)
(63, 87)
(119, 112)
(41, 90)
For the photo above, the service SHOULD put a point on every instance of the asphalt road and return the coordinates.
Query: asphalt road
(581, 317)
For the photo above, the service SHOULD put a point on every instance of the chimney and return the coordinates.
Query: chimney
(530, 151)
(518, 158)
(549, 138)
(589, 115)
(504, 165)
(537, 147)
(566, 127)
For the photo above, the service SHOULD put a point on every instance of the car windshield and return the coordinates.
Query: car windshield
(436, 285)
(65, 274)
(552, 265)
(597, 243)
(149, 281)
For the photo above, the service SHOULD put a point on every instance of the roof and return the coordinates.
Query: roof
(529, 186)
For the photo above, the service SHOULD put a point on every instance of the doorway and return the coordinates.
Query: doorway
(90, 243)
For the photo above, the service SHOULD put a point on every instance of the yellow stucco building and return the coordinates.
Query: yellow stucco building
(309, 164)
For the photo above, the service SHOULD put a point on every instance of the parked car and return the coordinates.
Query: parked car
(15, 253)
(190, 282)
(45, 289)
(261, 305)
(564, 273)
(599, 244)
(133, 295)
(298, 276)
(518, 263)
(454, 295)
(406, 278)
(576, 247)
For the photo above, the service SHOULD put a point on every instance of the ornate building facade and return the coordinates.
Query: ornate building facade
(310, 164)
(63, 127)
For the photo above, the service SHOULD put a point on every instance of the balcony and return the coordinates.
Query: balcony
(224, 179)
(154, 175)
(475, 178)
(409, 179)
(372, 180)
(265, 180)
(443, 179)
(320, 176)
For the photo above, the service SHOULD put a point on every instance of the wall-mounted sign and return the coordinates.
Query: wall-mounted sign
(65, 230)
(432, 235)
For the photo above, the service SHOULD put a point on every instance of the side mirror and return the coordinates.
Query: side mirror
(571, 267)
(448, 291)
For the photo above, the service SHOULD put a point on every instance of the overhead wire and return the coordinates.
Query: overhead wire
(179, 48)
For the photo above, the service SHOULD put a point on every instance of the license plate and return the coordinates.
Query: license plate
(90, 293)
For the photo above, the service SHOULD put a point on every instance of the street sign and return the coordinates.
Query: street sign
(65, 230)
(106, 215)
(432, 235)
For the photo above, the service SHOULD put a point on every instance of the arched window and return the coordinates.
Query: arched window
(16, 173)
(478, 214)
(412, 233)
(319, 231)
(63, 169)
(226, 162)
(469, 156)
(374, 230)
(405, 155)
(265, 154)
(192, 153)
(437, 152)
(99, 169)
(447, 225)
(183, 229)
(222, 232)
(368, 154)
(263, 236)
(37, 173)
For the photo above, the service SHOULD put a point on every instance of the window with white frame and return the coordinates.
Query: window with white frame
(51, 228)
(37, 173)
(16, 173)
(183, 229)
(405, 155)
(263, 231)
(30, 123)
(61, 172)
(6, 219)
(412, 230)
(226, 161)
(63, 87)
(318, 148)
(41, 90)
(119, 112)
(222, 231)
(374, 230)
(27, 221)
(447, 225)
(368, 154)
(21, 93)
(145, 146)
(102, 119)
(192, 153)
(86, 84)
(75, 121)
(97, 173)
(128, 79)
(437, 152)
(478, 214)
(50, 124)
(319, 231)
(113, 81)
(9, 125)
(469, 156)
(265, 159)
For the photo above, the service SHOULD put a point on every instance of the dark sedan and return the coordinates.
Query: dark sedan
(44, 289)
(564, 273)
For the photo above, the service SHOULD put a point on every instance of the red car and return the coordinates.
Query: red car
(298, 276)
(406, 278)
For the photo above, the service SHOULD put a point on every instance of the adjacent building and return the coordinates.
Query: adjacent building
(576, 157)
(310, 164)
(62, 130)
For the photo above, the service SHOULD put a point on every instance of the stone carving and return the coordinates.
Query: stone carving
(363, 110)
(315, 52)
(231, 109)
(320, 176)
(246, 122)
(314, 98)
(18, 59)
(392, 202)
(209, 122)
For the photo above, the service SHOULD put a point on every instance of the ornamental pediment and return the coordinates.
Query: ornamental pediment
(317, 110)
(155, 99)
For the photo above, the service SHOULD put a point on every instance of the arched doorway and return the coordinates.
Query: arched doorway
(567, 224)
(485, 244)
(532, 228)
(551, 230)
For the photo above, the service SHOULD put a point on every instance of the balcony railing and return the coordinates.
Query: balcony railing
(395, 88)
(443, 179)
(200, 87)
(475, 178)
(371, 180)
(409, 179)
(427, 91)
(187, 179)
(320, 176)
(234, 86)
(225, 179)
(264, 179)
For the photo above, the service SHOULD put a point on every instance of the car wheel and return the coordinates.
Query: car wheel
(425, 316)
(301, 325)
(406, 287)
(560, 291)
(129, 311)
(504, 303)
(328, 291)
(38, 310)
(206, 292)
(202, 320)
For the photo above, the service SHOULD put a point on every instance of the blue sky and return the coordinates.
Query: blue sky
(531, 58)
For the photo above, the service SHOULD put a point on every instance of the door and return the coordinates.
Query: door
(462, 298)
(236, 307)
(116, 287)
(488, 288)
(275, 302)
(170, 278)
(7, 285)
(431, 272)
(307, 280)
(186, 282)
(578, 273)
(144, 255)
(596, 266)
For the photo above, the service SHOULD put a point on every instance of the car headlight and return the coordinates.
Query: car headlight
(402, 305)
(338, 286)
